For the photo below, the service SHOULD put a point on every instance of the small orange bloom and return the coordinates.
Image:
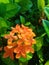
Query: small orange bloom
(8, 52)
(22, 50)
(19, 41)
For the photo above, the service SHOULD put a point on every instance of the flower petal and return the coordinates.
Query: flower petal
(18, 55)
(5, 55)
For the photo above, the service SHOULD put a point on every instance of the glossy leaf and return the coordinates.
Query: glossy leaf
(46, 10)
(11, 10)
(46, 26)
(22, 20)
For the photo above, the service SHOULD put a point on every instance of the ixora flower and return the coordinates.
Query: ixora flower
(19, 41)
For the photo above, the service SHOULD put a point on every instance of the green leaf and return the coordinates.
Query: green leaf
(25, 5)
(22, 20)
(3, 23)
(17, 21)
(41, 4)
(28, 23)
(4, 1)
(48, 1)
(2, 9)
(11, 10)
(39, 43)
(47, 63)
(46, 10)
(29, 56)
(8, 61)
(12, 1)
(40, 55)
(17, 1)
(46, 26)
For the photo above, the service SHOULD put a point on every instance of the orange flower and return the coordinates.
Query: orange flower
(8, 52)
(19, 41)
(30, 42)
(22, 50)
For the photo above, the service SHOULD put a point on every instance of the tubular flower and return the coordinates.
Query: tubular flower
(22, 50)
(19, 41)
(8, 52)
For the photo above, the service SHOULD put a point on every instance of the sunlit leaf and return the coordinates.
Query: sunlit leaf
(29, 56)
(41, 4)
(3, 23)
(39, 43)
(28, 23)
(4, 1)
(47, 63)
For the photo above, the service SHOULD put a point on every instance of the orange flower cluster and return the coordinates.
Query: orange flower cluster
(19, 41)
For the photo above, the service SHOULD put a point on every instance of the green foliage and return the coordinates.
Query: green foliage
(22, 19)
(2, 9)
(46, 26)
(3, 23)
(17, 21)
(41, 4)
(8, 61)
(25, 5)
(48, 1)
(28, 13)
(29, 56)
(39, 43)
(46, 10)
(47, 63)
(28, 23)
(11, 10)
(40, 55)
(17, 0)
(4, 1)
